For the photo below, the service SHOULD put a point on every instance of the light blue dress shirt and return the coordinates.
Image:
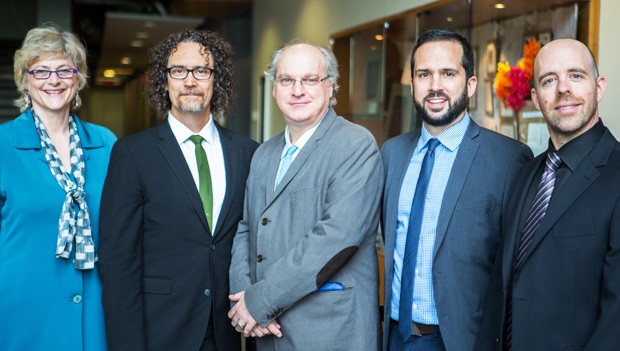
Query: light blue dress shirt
(423, 308)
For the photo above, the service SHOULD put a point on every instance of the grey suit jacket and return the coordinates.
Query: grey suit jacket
(468, 230)
(319, 225)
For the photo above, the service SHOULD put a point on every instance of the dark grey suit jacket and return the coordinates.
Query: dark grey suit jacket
(163, 273)
(566, 295)
(468, 229)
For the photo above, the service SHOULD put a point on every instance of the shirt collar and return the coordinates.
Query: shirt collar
(182, 133)
(303, 139)
(575, 150)
(450, 138)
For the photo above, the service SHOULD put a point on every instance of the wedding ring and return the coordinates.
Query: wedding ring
(239, 327)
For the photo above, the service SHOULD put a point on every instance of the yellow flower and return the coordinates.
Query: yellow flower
(502, 84)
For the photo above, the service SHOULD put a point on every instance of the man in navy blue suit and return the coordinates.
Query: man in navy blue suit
(455, 226)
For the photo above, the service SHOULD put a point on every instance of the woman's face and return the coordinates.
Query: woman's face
(52, 95)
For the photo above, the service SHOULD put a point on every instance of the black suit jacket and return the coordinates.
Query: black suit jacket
(163, 273)
(566, 295)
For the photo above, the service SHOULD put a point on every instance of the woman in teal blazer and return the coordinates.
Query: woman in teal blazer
(50, 293)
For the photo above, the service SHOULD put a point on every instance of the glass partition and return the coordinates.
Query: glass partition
(375, 60)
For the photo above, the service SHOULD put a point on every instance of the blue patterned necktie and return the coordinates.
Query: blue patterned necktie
(286, 163)
(413, 238)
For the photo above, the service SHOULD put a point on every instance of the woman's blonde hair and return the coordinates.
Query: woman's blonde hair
(48, 42)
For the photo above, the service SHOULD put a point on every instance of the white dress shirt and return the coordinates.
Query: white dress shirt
(213, 148)
(299, 143)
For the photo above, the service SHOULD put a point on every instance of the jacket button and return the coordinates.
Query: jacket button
(207, 292)
(264, 221)
(260, 258)
(212, 247)
(77, 299)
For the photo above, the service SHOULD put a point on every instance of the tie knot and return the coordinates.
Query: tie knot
(291, 150)
(553, 161)
(196, 139)
(432, 144)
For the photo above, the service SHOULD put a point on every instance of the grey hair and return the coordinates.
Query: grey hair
(331, 65)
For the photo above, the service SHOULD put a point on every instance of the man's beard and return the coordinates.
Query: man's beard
(454, 109)
(195, 104)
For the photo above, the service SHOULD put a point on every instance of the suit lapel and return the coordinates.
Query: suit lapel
(399, 163)
(25, 136)
(303, 156)
(270, 168)
(171, 152)
(515, 226)
(460, 170)
(231, 163)
(89, 141)
(585, 174)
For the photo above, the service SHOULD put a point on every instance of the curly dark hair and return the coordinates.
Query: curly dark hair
(223, 78)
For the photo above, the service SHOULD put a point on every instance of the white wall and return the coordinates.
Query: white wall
(608, 55)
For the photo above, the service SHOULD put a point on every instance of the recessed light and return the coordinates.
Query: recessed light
(378, 37)
(143, 35)
(149, 24)
(500, 6)
(126, 60)
(109, 73)
(137, 43)
(449, 19)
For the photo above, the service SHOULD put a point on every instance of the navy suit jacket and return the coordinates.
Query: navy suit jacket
(468, 230)
(163, 273)
(566, 295)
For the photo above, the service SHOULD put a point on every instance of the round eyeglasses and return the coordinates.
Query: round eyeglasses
(307, 81)
(65, 73)
(199, 73)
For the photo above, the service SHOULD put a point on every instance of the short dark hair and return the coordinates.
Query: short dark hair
(223, 78)
(431, 35)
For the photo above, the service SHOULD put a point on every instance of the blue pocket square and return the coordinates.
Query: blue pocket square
(332, 286)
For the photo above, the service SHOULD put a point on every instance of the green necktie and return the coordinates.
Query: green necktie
(204, 179)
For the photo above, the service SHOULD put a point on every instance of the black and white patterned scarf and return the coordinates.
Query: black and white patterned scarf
(74, 221)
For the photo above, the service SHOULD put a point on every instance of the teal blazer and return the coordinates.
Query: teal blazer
(45, 303)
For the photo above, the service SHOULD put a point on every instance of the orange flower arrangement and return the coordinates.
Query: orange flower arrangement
(512, 84)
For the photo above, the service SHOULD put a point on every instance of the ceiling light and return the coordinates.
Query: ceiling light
(126, 60)
(449, 19)
(149, 24)
(500, 6)
(143, 35)
(378, 37)
(137, 43)
(109, 73)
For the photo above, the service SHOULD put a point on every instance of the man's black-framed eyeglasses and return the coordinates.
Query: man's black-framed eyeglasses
(199, 73)
(65, 73)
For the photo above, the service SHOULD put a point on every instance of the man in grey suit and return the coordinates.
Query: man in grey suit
(446, 185)
(304, 265)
